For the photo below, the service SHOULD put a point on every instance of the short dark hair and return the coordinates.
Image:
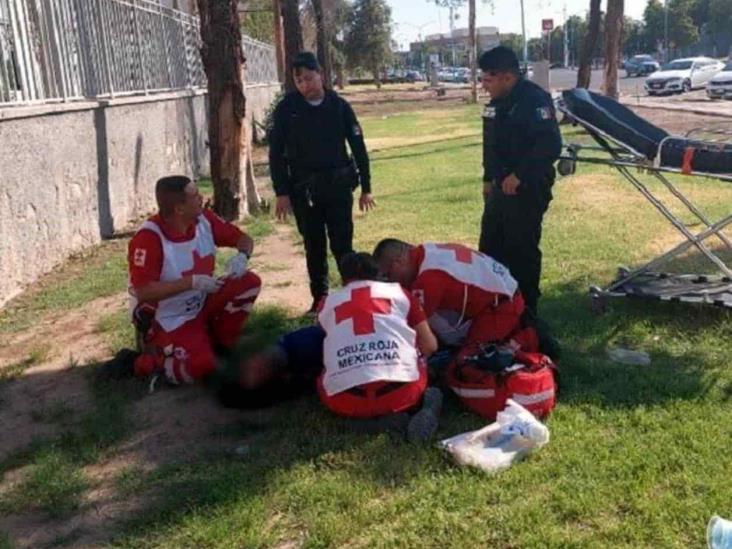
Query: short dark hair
(169, 192)
(499, 59)
(390, 248)
(305, 60)
(358, 266)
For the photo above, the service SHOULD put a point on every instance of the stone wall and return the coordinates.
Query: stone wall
(74, 174)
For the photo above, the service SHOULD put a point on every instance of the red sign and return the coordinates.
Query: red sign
(547, 25)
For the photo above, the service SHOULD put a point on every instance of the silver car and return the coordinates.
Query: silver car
(720, 86)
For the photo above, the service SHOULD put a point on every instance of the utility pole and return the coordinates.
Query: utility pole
(452, 33)
(566, 38)
(665, 32)
(523, 32)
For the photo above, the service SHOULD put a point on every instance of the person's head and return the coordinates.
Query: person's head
(392, 257)
(358, 266)
(307, 75)
(178, 198)
(501, 71)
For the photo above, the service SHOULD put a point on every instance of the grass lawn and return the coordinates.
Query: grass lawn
(639, 455)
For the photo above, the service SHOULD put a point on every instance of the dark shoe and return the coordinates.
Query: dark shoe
(121, 366)
(423, 425)
(312, 312)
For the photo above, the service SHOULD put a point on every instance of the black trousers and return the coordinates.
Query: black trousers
(511, 232)
(323, 211)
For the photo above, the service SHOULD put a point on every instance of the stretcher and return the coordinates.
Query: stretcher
(640, 152)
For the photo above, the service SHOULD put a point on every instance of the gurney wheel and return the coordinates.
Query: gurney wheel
(598, 303)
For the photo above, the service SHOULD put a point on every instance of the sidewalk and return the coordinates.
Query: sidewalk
(695, 102)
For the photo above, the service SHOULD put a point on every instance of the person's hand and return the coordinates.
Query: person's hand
(245, 245)
(283, 207)
(206, 283)
(510, 185)
(236, 267)
(366, 202)
(487, 188)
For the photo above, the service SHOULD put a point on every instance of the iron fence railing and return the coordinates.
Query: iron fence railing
(61, 50)
(261, 64)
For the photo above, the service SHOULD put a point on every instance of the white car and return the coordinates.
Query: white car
(682, 75)
(720, 86)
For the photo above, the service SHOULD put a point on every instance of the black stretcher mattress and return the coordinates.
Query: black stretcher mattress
(623, 125)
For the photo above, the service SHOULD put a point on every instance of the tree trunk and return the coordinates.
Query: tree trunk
(293, 38)
(279, 40)
(472, 53)
(613, 45)
(322, 33)
(222, 60)
(584, 73)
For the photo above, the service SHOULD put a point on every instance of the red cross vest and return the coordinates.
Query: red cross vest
(178, 258)
(470, 268)
(367, 336)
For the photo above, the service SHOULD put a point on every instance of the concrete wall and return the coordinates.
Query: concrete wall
(74, 174)
(259, 99)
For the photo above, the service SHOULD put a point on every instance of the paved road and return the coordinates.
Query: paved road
(561, 79)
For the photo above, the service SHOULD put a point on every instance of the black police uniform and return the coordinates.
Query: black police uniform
(521, 137)
(309, 162)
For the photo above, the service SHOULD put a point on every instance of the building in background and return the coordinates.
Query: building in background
(452, 48)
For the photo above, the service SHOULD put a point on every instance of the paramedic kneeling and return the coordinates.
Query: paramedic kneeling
(375, 333)
(180, 309)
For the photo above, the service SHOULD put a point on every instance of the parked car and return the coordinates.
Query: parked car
(720, 86)
(640, 65)
(413, 76)
(683, 75)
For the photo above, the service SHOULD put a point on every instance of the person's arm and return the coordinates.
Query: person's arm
(156, 290)
(278, 166)
(490, 164)
(426, 340)
(354, 136)
(544, 140)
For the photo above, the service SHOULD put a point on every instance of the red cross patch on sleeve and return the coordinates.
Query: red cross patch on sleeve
(544, 113)
(139, 257)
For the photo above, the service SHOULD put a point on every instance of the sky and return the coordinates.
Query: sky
(412, 17)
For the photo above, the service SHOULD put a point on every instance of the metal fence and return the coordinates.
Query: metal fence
(261, 64)
(60, 50)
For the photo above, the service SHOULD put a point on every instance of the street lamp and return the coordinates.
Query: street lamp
(665, 31)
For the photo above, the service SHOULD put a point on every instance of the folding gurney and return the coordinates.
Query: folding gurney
(638, 149)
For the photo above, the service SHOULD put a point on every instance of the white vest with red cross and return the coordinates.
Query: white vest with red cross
(194, 256)
(470, 268)
(367, 336)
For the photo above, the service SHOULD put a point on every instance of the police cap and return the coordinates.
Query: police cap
(305, 60)
(499, 59)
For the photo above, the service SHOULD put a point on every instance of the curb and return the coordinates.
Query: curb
(677, 109)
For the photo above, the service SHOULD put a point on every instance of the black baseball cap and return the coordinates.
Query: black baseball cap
(499, 59)
(305, 60)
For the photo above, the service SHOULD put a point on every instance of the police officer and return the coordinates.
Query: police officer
(313, 175)
(521, 142)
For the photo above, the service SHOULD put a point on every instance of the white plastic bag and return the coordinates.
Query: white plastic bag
(515, 433)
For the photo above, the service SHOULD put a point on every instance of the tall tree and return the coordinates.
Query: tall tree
(368, 41)
(293, 37)
(472, 53)
(613, 44)
(223, 60)
(584, 73)
(323, 42)
(279, 39)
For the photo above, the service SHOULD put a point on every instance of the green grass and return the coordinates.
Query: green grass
(638, 456)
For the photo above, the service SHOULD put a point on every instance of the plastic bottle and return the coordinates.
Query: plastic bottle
(719, 533)
(628, 356)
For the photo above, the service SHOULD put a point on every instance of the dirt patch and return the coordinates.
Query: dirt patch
(281, 264)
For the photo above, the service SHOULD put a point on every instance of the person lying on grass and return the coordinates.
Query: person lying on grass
(372, 339)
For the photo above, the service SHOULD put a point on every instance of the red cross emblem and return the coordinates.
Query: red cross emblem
(201, 265)
(362, 309)
(462, 254)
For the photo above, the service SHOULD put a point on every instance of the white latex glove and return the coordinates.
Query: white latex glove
(236, 267)
(206, 283)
